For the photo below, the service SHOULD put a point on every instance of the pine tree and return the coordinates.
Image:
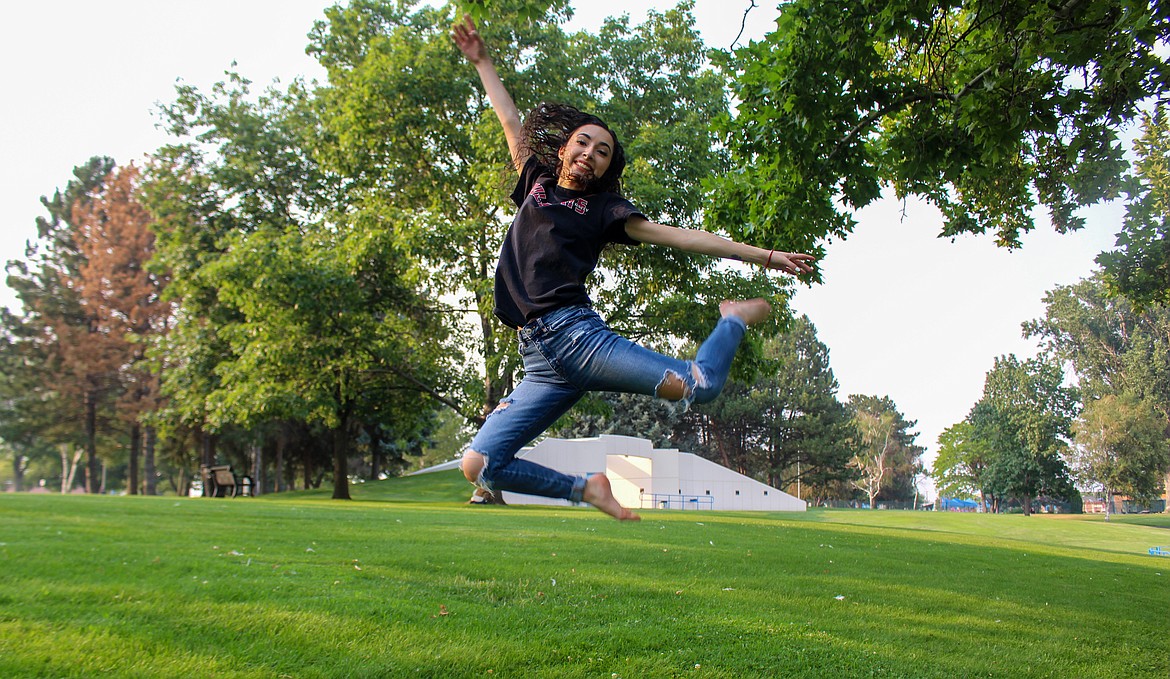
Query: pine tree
(125, 300)
(57, 324)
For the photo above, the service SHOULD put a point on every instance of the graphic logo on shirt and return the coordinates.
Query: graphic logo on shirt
(578, 205)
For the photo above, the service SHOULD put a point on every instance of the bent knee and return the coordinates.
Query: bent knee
(697, 389)
(705, 395)
(706, 387)
(472, 464)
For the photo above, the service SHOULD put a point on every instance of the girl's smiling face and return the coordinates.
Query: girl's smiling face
(585, 157)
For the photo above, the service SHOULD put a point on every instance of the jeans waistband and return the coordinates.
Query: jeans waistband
(555, 320)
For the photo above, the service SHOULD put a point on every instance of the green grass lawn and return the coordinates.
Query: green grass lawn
(302, 586)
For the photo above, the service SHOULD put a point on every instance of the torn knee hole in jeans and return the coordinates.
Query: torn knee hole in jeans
(673, 387)
(501, 406)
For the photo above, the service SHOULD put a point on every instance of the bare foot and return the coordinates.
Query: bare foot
(750, 311)
(599, 494)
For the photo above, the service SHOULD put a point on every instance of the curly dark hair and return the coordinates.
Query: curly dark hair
(547, 128)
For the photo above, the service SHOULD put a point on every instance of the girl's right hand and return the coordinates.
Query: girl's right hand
(468, 40)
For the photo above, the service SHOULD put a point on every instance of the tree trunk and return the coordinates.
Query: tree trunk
(281, 442)
(18, 471)
(257, 468)
(207, 458)
(375, 452)
(135, 453)
(491, 385)
(340, 461)
(148, 471)
(92, 469)
(68, 468)
(1027, 505)
(307, 463)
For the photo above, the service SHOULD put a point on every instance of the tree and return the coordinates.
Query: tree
(400, 145)
(27, 406)
(327, 336)
(1122, 447)
(295, 308)
(90, 307)
(875, 434)
(427, 159)
(239, 162)
(807, 427)
(1025, 417)
(60, 331)
(601, 413)
(885, 455)
(1114, 348)
(961, 465)
(1091, 330)
(1140, 268)
(981, 108)
(784, 425)
(124, 297)
(449, 437)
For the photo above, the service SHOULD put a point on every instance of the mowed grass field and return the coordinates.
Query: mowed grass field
(406, 581)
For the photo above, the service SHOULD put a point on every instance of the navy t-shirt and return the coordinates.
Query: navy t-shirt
(554, 244)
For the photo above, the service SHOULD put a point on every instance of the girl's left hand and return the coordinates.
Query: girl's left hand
(794, 263)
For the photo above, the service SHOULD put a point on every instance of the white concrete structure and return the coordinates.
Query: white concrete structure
(644, 477)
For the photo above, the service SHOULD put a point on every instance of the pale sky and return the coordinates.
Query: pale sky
(903, 313)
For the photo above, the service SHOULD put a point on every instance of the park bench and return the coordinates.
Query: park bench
(221, 481)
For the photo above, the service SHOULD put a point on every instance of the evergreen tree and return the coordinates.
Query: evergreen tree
(124, 296)
(61, 331)
(809, 428)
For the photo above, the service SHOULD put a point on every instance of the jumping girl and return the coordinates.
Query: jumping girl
(570, 206)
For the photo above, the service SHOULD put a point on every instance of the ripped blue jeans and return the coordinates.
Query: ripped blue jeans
(571, 351)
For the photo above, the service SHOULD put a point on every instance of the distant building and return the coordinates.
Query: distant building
(649, 478)
(1094, 503)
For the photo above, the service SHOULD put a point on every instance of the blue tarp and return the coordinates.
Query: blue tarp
(945, 503)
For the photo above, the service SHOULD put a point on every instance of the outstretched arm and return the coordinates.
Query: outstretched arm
(706, 243)
(468, 40)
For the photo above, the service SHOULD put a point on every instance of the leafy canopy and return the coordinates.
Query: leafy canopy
(983, 108)
(1025, 417)
(1122, 446)
(1140, 266)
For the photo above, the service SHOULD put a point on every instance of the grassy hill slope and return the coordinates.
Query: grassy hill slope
(403, 582)
(444, 486)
